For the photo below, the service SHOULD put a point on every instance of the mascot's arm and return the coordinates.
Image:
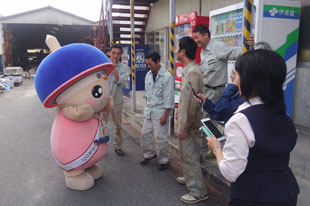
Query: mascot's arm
(78, 113)
(106, 110)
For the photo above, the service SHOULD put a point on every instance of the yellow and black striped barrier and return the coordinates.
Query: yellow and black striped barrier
(172, 48)
(133, 58)
(247, 16)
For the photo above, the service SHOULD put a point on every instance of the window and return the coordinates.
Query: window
(158, 41)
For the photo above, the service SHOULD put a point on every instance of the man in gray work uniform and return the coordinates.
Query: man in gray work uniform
(159, 87)
(214, 57)
(117, 79)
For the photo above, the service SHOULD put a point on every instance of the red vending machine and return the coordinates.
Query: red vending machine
(184, 26)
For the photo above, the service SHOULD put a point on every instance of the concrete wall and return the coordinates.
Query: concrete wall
(301, 107)
(159, 15)
(209, 5)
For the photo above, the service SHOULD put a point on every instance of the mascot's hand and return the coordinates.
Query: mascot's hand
(109, 106)
(79, 113)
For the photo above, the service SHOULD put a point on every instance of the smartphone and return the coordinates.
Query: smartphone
(212, 129)
(194, 92)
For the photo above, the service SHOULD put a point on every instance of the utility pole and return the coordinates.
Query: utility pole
(110, 22)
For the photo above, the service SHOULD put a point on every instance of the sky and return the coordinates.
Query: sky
(89, 9)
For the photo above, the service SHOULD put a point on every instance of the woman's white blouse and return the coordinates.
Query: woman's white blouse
(239, 139)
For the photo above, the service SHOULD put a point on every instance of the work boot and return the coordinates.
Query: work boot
(120, 152)
(162, 166)
(145, 161)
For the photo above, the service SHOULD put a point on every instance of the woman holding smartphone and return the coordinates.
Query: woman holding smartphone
(259, 136)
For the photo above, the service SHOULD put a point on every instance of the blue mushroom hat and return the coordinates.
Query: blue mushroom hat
(65, 66)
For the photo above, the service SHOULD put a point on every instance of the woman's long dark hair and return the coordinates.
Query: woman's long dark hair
(262, 73)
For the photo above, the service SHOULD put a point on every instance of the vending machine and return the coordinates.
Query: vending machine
(184, 25)
(273, 21)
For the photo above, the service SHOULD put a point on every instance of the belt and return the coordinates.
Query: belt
(209, 87)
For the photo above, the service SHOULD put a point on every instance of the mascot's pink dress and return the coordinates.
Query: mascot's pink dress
(77, 145)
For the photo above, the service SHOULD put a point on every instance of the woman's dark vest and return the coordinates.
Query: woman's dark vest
(267, 176)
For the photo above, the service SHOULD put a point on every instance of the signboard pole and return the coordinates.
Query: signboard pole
(247, 17)
(172, 65)
(172, 26)
(133, 71)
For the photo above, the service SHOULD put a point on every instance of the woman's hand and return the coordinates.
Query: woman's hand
(236, 79)
(203, 97)
(212, 143)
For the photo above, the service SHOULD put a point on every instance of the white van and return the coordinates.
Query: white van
(14, 73)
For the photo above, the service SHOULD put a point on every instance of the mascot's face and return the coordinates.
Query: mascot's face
(93, 90)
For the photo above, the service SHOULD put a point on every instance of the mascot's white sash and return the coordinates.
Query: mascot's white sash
(83, 158)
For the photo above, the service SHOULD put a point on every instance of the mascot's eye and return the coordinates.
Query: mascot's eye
(97, 91)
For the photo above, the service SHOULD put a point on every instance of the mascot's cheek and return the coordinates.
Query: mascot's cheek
(90, 101)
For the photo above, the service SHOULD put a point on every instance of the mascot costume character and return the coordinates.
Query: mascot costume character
(74, 78)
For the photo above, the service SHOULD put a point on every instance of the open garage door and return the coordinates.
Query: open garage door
(25, 43)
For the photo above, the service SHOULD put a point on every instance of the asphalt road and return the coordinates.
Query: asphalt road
(30, 177)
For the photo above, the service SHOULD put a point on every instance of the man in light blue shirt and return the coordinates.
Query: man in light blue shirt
(117, 79)
(159, 86)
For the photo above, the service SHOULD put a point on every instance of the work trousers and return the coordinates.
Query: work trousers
(151, 126)
(214, 94)
(116, 114)
(190, 160)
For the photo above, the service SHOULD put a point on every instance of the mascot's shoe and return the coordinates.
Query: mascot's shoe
(79, 181)
(95, 171)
